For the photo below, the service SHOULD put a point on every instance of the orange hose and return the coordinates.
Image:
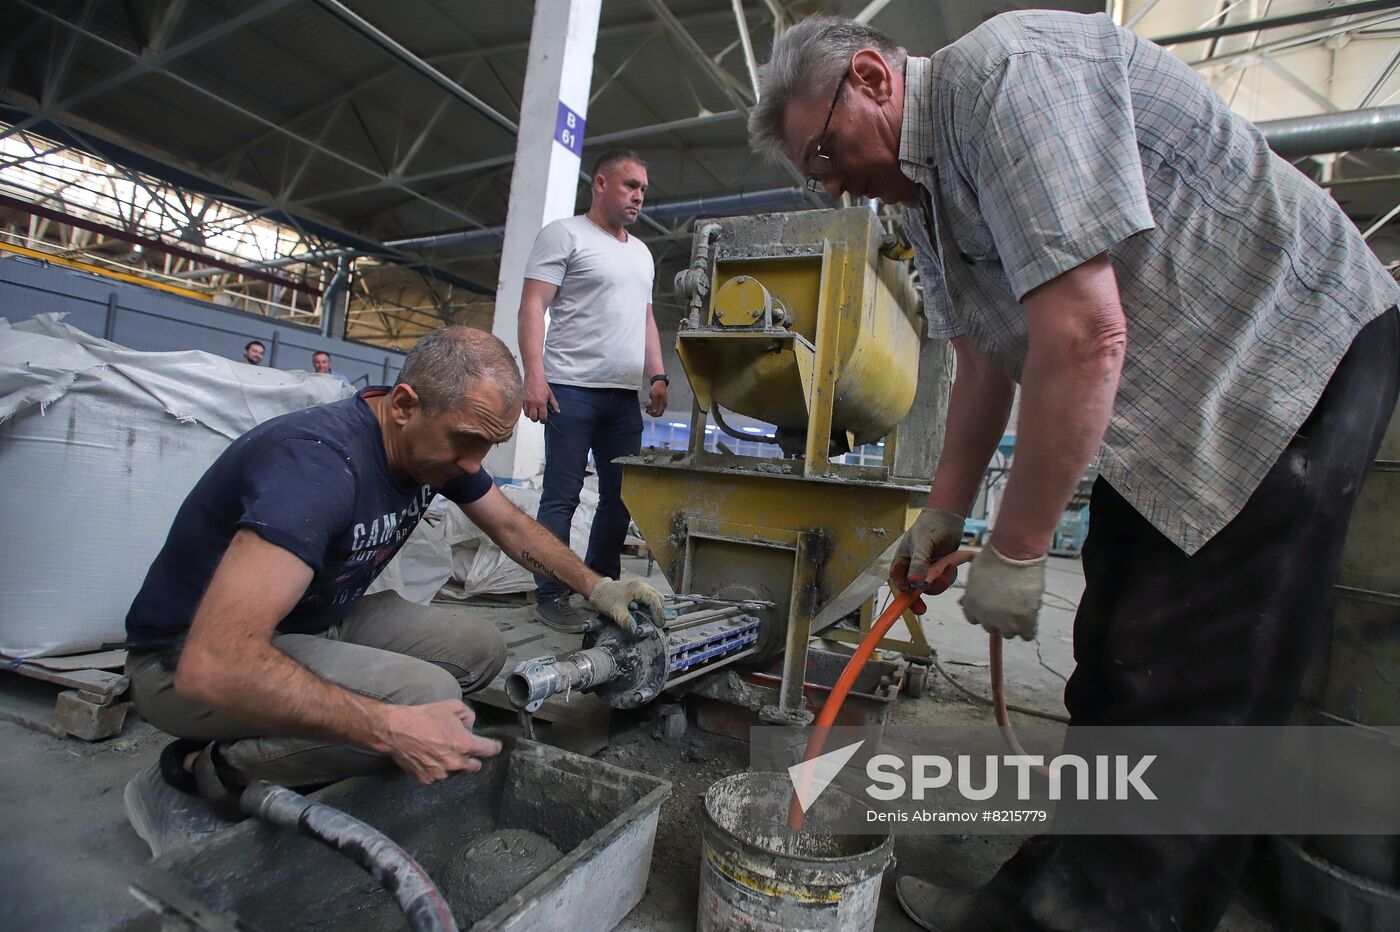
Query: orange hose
(892, 613)
(999, 704)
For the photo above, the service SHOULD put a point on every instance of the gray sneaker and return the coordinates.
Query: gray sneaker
(935, 908)
(163, 816)
(564, 615)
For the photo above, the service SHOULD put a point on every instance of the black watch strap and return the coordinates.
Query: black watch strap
(661, 378)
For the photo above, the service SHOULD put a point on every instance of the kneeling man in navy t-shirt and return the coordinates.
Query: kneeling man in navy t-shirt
(252, 640)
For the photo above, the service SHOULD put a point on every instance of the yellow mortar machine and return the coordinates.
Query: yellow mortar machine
(809, 321)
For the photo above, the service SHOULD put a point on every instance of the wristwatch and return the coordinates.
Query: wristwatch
(663, 377)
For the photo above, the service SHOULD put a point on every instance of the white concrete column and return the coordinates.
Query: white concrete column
(544, 184)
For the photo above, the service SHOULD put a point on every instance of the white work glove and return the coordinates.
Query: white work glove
(1003, 595)
(936, 533)
(613, 598)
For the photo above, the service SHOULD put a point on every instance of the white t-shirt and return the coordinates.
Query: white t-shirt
(598, 318)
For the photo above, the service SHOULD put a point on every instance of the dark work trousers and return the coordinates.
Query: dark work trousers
(607, 421)
(1218, 638)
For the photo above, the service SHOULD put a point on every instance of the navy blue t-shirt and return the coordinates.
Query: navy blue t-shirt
(315, 482)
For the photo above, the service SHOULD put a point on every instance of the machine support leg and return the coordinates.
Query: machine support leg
(792, 703)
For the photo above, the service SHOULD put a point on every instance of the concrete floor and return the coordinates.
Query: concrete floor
(66, 851)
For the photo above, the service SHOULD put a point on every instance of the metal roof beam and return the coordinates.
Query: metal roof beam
(743, 26)
(1142, 11)
(149, 243)
(468, 168)
(193, 175)
(237, 153)
(723, 79)
(1292, 19)
(401, 165)
(1382, 79)
(254, 117)
(366, 29)
(161, 35)
(1298, 84)
(146, 63)
(1308, 38)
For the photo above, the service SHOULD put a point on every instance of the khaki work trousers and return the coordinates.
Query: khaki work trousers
(387, 649)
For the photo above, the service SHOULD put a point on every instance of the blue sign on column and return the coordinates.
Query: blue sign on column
(568, 130)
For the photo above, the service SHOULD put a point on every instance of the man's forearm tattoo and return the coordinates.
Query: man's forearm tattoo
(536, 565)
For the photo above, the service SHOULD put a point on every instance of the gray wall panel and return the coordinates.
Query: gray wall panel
(157, 321)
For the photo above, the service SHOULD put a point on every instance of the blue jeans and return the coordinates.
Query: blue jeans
(607, 421)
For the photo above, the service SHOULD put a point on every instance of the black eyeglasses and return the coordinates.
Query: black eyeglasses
(821, 161)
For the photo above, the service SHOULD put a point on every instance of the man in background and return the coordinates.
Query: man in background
(581, 380)
(253, 352)
(321, 362)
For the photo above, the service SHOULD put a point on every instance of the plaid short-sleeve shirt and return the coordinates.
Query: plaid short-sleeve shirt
(1041, 140)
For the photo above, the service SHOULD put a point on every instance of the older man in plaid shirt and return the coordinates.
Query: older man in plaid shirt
(1092, 222)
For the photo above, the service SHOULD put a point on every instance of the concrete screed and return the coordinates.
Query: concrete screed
(67, 853)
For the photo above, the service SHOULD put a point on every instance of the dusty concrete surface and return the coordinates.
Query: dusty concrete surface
(66, 852)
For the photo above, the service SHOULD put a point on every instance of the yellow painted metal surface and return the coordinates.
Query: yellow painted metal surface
(99, 270)
(741, 302)
(811, 328)
(826, 269)
(741, 526)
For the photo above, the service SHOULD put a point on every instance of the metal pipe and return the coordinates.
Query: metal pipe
(424, 908)
(335, 302)
(737, 435)
(1274, 22)
(455, 238)
(367, 29)
(747, 43)
(1374, 128)
(742, 202)
(694, 281)
(652, 129)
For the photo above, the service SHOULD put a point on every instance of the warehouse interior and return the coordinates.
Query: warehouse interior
(183, 179)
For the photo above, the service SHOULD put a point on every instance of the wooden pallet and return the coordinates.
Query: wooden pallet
(65, 696)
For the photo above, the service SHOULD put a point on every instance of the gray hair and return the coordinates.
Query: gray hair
(445, 365)
(807, 62)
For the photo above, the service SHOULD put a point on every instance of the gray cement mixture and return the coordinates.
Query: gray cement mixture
(487, 872)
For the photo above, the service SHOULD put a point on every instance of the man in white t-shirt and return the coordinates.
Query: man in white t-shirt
(582, 378)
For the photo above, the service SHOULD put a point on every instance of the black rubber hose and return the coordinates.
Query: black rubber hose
(423, 906)
(719, 419)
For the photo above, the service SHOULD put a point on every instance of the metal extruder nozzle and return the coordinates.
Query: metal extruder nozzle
(536, 680)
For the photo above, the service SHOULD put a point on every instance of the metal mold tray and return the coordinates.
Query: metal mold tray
(255, 876)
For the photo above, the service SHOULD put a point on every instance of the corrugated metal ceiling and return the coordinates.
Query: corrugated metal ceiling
(293, 106)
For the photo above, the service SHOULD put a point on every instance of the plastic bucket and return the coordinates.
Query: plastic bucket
(757, 874)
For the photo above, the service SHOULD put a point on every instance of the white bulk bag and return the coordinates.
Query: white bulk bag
(99, 444)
